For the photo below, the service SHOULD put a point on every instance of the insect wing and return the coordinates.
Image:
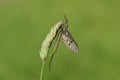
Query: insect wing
(69, 41)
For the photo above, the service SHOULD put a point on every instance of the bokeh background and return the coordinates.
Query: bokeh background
(94, 24)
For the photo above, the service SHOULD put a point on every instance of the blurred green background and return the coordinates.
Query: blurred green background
(94, 24)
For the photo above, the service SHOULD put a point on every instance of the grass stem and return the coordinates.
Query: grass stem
(41, 74)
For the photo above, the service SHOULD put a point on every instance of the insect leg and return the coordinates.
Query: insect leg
(55, 48)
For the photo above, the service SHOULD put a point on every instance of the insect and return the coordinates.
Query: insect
(67, 39)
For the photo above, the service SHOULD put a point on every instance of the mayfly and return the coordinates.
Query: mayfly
(67, 39)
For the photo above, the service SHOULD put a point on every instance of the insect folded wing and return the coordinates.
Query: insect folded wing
(69, 41)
